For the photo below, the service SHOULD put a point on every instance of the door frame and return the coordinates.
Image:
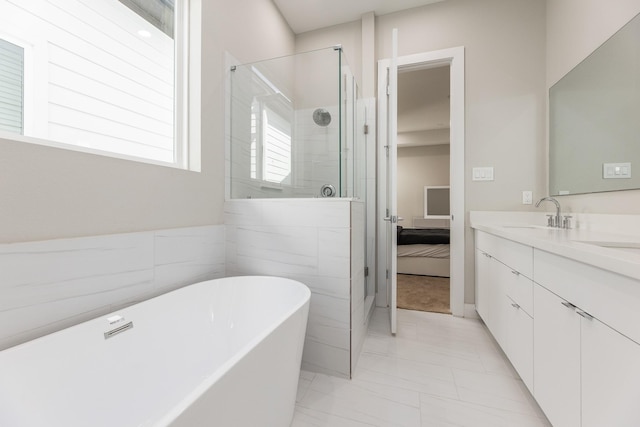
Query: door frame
(454, 57)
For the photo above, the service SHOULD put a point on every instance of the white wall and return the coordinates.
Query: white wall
(505, 84)
(575, 29)
(348, 35)
(50, 193)
(417, 167)
(504, 44)
(505, 111)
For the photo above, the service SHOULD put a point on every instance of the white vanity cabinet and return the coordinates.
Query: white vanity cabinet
(566, 312)
(556, 358)
(520, 341)
(483, 279)
(610, 377)
(587, 373)
(504, 298)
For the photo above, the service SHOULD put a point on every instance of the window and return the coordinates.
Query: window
(270, 145)
(108, 76)
(271, 134)
(276, 142)
(11, 87)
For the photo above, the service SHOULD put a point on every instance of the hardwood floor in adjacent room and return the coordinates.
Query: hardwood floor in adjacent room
(424, 293)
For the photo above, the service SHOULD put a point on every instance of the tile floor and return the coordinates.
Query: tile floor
(437, 371)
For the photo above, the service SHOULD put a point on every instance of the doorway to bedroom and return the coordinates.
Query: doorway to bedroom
(423, 165)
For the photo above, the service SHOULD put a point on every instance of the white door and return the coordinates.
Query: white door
(455, 58)
(392, 181)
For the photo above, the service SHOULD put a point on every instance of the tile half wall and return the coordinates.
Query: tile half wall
(312, 241)
(50, 285)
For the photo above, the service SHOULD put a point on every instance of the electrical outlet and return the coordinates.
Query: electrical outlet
(527, 197)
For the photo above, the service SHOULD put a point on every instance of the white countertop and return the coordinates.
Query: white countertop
(570, 243)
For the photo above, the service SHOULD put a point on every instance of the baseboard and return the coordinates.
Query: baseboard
(470, 311)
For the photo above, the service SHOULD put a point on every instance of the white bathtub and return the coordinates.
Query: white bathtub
(222, 353)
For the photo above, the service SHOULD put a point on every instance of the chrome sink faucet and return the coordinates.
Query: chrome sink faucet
(555, 221)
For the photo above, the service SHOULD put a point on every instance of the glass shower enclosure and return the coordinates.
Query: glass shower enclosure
(293, 128)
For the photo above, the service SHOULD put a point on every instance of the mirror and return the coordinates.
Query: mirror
(594, 120)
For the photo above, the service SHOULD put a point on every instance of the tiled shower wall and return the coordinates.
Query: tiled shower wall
(319, 242)
(49, 285)
(315, 162)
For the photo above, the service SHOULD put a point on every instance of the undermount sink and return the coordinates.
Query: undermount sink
(530, 227)
(633, 247)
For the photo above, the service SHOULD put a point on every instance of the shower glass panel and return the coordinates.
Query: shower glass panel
(293, 126)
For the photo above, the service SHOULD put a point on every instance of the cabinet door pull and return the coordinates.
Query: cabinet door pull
(585, 315)
(514, 305)
(568, 305)
(487, 255)
(515, 272)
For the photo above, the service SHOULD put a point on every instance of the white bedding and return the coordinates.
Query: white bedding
(431, 251)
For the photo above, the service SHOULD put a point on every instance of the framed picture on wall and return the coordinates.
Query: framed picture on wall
(436, 202)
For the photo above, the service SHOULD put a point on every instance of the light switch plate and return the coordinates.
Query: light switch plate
(616, 170)
(527, 197)
(483, 174)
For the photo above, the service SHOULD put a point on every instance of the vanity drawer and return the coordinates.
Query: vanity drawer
(520, 289)
(485, 242)
(612, 298)
(516, 256)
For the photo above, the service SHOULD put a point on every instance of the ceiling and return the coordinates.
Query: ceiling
(423, 99)
(423, 95)
(424, 106)
(308, 15)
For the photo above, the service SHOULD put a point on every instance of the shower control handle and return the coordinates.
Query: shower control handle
(328, 190)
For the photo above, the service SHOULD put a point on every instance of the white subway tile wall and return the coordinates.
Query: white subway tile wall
(310, 241)
(49, 285)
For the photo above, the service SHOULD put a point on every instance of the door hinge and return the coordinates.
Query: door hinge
(388, 90)
(387, 272)
(366, 271)
(366, 129)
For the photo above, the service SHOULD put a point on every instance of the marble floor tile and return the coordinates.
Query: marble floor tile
(303, 384)
(443, 412)
(432, 353)
(437, 371)
(406, 374)
(305, 417)
(370, 403)
(491, 390)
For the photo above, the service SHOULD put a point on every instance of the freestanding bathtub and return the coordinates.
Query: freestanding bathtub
(222, 353)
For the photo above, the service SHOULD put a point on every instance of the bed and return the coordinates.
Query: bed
(423, 251)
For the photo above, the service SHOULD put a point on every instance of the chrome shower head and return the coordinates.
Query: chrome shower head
(321, 117)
